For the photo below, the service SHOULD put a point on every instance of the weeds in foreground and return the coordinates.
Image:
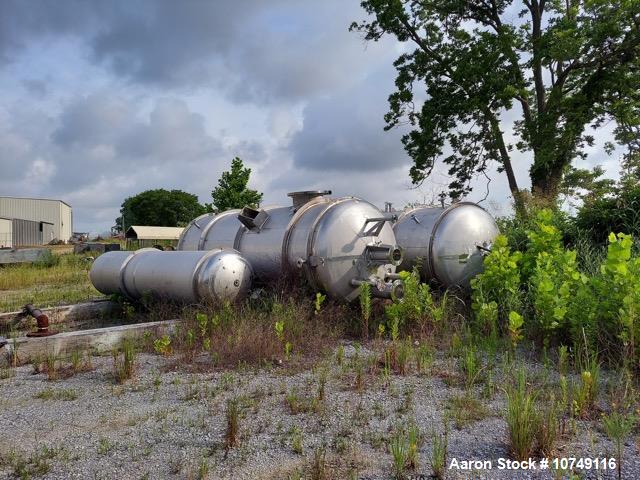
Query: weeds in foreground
(25, 467)
(404, 446)
(162, 345)
(548, 427)
(232, 432)
(124, 360)
(66, 394)
(439, 451)
(51, 362)
(318, 465)
(466, 409)
(618, 426)
(297, 440)
(522, 420)
(399, 453)
(203, 469)
(585, 392)
(365, 308)
(301, 403)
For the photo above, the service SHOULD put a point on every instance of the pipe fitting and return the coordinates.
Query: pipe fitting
(385, 254)
(41, 319)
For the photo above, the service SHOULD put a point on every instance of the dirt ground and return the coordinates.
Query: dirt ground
(335, 419)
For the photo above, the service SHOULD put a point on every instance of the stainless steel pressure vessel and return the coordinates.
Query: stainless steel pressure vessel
(337, 242)
(447, 244)
(193, 277)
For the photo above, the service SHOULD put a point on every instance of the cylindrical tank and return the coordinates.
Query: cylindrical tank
(447, 244)
(337, 242)
(192, 277)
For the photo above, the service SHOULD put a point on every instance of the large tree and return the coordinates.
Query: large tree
(558, 66)
(160, 207)
(232, 190)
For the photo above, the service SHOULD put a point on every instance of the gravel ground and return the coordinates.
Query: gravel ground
(166, 423)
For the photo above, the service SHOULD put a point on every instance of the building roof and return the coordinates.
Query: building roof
(32, 198)
(142, 232)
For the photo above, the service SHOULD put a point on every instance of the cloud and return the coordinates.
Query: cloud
(102, 100)
(345, 132)
(281, 50)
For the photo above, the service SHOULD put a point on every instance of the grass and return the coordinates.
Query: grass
(522, 419)
(618, 426)
(399, 453)
(124, 360)
(232, 432)
(64, 282)
(65, 394)
(27, 466)
(465, 410)
(297, 440)
(439, 446)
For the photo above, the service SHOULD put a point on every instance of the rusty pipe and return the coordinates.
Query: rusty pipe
(41, 319)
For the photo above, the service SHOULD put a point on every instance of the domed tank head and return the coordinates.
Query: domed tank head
(190, 236)
(460, 237)
(340, 247)
(224, 275)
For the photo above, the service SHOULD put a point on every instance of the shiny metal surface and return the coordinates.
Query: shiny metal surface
(190, 236)
(443, 242)
(334, 241)
(186, 276)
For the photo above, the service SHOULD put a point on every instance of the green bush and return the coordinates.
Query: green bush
(619, 213)
(593, 307)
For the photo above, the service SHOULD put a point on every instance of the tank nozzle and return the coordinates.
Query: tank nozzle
(384, 253)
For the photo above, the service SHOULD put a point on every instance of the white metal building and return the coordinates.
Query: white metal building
(55, 216)
(6, 233)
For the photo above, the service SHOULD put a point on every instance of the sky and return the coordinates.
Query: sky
(103, 100)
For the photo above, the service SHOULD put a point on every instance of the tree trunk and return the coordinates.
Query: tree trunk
(545, 183)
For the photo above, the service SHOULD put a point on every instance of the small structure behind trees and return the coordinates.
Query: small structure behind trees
(140, 236)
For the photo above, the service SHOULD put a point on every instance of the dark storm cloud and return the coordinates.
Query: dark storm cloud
(253, 50)
(94, 120)
(344, 132)
(37, 88)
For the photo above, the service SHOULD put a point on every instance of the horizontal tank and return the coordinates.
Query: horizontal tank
(186, 276)
(446, 244)
(338, 242)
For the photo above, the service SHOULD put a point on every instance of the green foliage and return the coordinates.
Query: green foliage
(515, 328)
(559, 66)
(47, 260)
(415, 308)
(612, 213)
(547, 295)
(124, 360)
(162, 345)
(319, 300)
(496, 291)
(404, 446)
(522, 419)
(232, 191)
(159, 207)
(439, 452)
(365, 307)
(618, 426)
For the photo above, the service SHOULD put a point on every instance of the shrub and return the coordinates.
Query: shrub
(499, 283)
(619, 213)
